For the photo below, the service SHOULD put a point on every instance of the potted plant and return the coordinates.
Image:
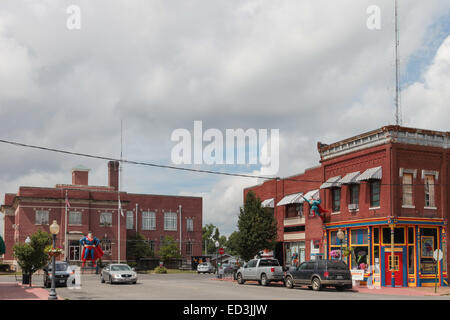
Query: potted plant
(53, 252)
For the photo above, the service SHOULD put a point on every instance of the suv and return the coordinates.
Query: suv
(320, 273)
(62, 274)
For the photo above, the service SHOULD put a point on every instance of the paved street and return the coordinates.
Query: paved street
(195, 287)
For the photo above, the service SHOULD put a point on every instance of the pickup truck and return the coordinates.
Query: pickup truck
(262, 270)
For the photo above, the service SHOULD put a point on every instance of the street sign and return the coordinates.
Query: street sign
(438, 255)
(221, 251)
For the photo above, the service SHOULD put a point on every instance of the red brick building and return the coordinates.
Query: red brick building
(95, 208)
(387, 190)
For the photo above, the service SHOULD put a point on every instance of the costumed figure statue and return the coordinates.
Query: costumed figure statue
(91, 249)
(316, 207)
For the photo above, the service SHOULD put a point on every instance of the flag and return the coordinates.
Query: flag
(120, 208)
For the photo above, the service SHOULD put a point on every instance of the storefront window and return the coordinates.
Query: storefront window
(428, 243)
(411, 259)
(399, 235)
(359, 258)
(376, 258)
(334, 240)
(376, 235)
(295, 252)
(410, 235)
(359, 236)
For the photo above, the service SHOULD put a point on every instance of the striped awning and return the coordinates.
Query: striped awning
(332, 182)
(372, 173)
(349, 178)
(268, 203)
(313, 194)
(291, 198)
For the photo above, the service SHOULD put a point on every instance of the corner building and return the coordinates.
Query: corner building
(387, 190)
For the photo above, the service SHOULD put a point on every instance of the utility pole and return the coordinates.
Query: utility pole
(397, 72)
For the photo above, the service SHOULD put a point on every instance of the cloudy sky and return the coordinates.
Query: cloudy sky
(312, 69)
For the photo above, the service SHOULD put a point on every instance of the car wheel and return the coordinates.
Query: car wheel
(340, 288)
(264, 280)
(102, 280)
(110, 280)
(316, 285)
(134, 282)
(289, 282)
(239, 279)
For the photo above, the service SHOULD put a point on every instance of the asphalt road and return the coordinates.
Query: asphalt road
(202, 287)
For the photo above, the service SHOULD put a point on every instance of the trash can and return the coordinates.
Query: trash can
(26, 279)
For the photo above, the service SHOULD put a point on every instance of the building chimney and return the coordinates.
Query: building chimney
(80, 176)
(113, 174)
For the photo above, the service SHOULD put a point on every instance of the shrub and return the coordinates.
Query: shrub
(4, 267)
(160, 270)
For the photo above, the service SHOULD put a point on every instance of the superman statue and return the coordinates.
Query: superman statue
(91, 249)
(316, 207)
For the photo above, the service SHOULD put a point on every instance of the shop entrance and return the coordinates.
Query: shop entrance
(398, 268)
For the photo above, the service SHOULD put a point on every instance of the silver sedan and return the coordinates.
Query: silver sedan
(118, 273)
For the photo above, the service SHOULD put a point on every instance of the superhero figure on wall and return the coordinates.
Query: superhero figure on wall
(91, 249)
(316, 207)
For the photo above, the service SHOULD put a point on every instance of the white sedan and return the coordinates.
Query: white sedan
(118, 273)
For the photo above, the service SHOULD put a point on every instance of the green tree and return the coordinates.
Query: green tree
(211, 234)
(169, 249)
(232, 243)
(257, 228)
(138, 248)
(31, 256)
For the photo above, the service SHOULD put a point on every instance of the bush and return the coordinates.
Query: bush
(4, 267)
(132, 264)
(160, 270)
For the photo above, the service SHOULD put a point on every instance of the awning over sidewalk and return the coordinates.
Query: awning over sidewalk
(372, 173)
(268, 203)
(350, 178)
(291, 198)
(313, 194)
(332, 182)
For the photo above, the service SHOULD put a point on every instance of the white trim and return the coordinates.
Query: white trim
(337, 212)
(403, 170)
(408, 206)
(431, 173)
(430, 208)
(374, 208)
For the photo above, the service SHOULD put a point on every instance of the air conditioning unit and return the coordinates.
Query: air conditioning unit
(353, 207)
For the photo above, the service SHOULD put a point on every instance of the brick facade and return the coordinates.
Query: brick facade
(91, 201)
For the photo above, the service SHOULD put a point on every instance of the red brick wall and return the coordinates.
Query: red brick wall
(80, 177)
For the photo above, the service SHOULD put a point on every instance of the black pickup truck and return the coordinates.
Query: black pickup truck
(320, 273)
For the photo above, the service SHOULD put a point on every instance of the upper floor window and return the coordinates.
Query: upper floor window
(170, 221)
(148, 220)
(294, 210)
(130, 219)
(407, 189)
(354, 193)
(41, 217)
(375, 193)
(74, 218)
(336, 199)
(190, 224)
(430, 191)
(106, 219)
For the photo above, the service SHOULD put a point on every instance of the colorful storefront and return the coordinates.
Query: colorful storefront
(386, 248)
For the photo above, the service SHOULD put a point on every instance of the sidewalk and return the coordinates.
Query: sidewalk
(411, 291)
(17, 291)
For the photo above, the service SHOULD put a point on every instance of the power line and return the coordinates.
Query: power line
(92, 156)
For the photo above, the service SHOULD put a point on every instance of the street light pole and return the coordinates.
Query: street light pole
(217, 257)
(341, 236)
(54, 230)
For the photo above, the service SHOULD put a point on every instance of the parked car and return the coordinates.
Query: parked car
(262, 270)
(118, 273)
(62, 274)
(206, 267)
(319, 274)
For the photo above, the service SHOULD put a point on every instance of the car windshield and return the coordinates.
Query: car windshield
(204, 264)
(59, 267)
(268, 263)
(340, 265)
(120, 268)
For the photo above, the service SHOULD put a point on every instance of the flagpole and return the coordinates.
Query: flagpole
(119, 211)
(65, 232)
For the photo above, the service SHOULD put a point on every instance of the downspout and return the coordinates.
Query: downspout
(179, 210)
(136, 218)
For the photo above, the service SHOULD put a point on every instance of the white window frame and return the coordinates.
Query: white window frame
(106, 219)
(170, 221)
(148, 220)
(407, 205)
(41, 217)
(130, 220)
(78, 221)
